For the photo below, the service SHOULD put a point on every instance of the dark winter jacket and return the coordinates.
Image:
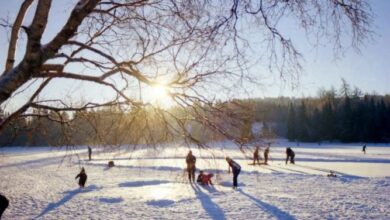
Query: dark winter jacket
(256, 153)
(290, 152)
(200, 178)
(3, 204)
(266, 152)
(235, 166)
(83, 178)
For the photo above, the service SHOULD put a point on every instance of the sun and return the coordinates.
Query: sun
(159, 94)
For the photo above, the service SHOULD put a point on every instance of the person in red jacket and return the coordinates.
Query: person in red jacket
(204, 179)
(82, 178)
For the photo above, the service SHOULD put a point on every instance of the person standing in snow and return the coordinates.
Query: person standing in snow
(266, 153)
(290, 155)
(256, 156)
(364, 149)
(3, 204)
(236, 168)
(83, 178)
(89, 153)
(191, 160)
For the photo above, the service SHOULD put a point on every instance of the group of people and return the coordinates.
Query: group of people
(256, 155)
(205, 179)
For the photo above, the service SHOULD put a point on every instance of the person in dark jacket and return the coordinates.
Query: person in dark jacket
(290, 155)
(89, 153)
(266, 153)
(236, 168)
(364, 149)
(3, 204)
(256, 156)
(191, 161)
(82, 177)
(200, 177)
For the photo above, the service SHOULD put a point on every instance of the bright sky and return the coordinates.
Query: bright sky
(368, 70)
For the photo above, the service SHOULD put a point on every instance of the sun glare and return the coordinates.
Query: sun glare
(159, 95)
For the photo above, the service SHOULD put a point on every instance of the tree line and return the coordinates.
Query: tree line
(335, 115)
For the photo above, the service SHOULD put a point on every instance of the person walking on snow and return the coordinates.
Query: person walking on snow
(82, 178)
(290, 154)
(266, 153)
(256, 156)
(236, 168)
(89, 153)
(364, 149)
(191, 161)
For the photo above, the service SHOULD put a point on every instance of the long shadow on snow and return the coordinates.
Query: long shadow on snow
(157, 158)
(142, 183)
(163, 168)
(212, 209)
(68, 196)
(41, 162)
(345, 175)
(111, 200)
(273, 210)
(171, 168)
(295, 171)
(302, 159)
(160, 168)
(346, 160)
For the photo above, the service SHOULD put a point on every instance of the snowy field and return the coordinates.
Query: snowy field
(152, 184)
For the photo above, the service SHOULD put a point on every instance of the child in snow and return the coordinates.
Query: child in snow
(83, 178)
(256, 156)
(290, 154)
(3, 204)
(191, 160)
(236, 170)
(204, 179)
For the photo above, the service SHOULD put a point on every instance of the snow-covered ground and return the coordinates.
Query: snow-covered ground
(152, 184)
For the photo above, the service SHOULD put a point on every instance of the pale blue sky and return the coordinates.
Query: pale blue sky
(368, 70)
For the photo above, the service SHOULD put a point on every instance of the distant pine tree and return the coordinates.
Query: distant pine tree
(291, 121)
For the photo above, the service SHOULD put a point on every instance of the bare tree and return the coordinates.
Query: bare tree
(195, 49)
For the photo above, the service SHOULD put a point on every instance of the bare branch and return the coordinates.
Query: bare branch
(14, 34)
